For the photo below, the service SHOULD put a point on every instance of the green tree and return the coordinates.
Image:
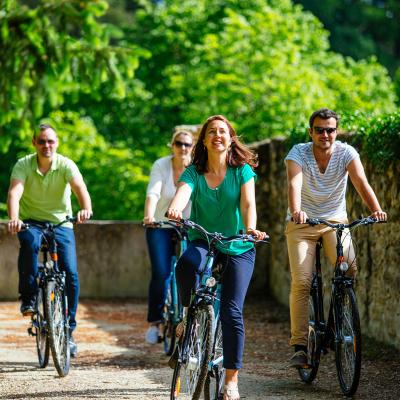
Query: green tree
(52, 48)
(361, 28)
(265, 64)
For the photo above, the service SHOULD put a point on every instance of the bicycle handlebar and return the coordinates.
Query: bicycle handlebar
(187, 224)
(45, 224)
(341, 226)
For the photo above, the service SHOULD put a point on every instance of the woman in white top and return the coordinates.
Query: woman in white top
(160, 191)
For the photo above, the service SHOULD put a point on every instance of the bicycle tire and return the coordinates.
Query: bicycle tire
(314, 348)
(169, 329)
(214, 384)
(348, 347)
(56, 311)
(40, 329)
(191, 369)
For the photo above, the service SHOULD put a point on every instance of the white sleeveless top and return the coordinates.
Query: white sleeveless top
(323, 195)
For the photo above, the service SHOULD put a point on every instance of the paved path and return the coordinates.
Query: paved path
(115, 363)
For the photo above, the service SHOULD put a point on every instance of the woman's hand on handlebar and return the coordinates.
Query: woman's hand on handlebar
(148, 221)
(258, 235)
(14, 226)
(173, 213)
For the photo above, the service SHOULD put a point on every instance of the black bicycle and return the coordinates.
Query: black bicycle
(342, 331)
(200, 349)
(50, 321)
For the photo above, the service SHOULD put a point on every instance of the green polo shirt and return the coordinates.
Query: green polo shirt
(218, 210)
(45, 197)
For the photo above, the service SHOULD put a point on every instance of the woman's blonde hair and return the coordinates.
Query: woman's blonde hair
(180, 132)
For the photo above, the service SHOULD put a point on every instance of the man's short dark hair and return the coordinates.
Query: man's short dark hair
(324, 113)
(43, 127)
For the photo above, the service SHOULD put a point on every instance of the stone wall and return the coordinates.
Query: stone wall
(112, 260)
(378, 246)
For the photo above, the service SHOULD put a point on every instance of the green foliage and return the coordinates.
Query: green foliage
(382, 140)
(54, 49)
(361, 28)
(266, 65)
(116, 175)
(139, 69)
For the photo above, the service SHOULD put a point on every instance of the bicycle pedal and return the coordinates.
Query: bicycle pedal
(30, 332)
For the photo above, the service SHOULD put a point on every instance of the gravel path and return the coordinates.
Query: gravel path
(115, 363)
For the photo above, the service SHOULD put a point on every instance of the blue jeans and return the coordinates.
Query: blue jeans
(28, 265)
(161, 249)
(235, 282)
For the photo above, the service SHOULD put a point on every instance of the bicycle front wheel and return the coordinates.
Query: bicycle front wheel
(56, 310)
(348, 341)
(314, 341)
(194, 355)
(214, 385)
(39, 325)
(170, 315)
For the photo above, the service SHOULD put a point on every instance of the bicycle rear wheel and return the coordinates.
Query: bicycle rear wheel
(39, 326)
(314, 340)
(56, 310)
(214, 385)
(194, 355)
(348, 345)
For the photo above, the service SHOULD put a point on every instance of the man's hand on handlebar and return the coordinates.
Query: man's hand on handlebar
(379, 215)
(83, 215)
(299, 217)
(14, 226)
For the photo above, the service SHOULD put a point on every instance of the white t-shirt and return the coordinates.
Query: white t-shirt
(323, 195)
(162, 187)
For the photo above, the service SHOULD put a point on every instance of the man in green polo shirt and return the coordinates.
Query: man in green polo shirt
(40, 190)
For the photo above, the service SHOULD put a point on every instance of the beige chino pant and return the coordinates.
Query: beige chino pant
(301, 242)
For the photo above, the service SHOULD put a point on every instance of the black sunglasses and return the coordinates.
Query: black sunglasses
(44, 141)
(319, 130)
(178, 143)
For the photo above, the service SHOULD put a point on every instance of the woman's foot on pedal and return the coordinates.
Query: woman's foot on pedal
(231, 391)
(153, 334)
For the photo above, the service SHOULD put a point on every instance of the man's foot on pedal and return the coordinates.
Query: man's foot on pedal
(27, 307)
(73, 348)
(299, 358)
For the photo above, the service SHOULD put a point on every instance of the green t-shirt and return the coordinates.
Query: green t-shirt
(45, 197)
(218, 210)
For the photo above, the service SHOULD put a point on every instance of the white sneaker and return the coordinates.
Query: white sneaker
(152, 335)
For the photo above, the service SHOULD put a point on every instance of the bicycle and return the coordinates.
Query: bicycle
(172, 313)
(342, 331)
(200, 347)
(50, 322)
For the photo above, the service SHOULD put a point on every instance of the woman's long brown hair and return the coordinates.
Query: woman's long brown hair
(238, 154)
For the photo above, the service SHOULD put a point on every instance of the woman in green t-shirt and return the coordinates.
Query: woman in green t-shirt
(220, 182)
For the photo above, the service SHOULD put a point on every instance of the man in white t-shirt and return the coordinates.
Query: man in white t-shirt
(317, 174)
